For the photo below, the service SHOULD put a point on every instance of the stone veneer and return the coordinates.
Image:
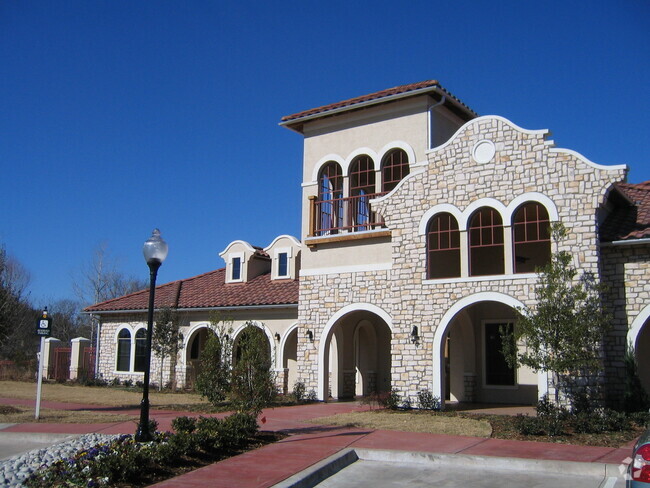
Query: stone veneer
(524, 162)
(626, 274)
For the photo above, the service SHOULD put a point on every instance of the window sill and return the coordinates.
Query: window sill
(351, 236)
(471, 279)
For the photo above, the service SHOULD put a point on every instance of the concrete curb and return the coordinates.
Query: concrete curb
(333, 464)
(316, 473)
(37, 437)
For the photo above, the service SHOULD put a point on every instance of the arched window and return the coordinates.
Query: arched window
(443, 247)
(362, 186)
(486, 243)
(531, 237)
(394, 167)
(140, 350)
(330, 199)
(124, 350)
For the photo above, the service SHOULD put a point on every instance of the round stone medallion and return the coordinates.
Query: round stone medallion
(483, 151)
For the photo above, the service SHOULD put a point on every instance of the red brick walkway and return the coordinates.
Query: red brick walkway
(308, 444)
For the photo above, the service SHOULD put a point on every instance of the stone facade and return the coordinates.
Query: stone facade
(626, 274)
(524, 167)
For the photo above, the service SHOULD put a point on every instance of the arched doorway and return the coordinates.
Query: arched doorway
(639, 337)
(355, 356)
(194, 346)
(248, 335)
(469, 365)
(290, 359)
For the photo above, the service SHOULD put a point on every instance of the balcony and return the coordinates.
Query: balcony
(341, 219)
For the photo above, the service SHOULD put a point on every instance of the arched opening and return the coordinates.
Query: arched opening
(357, 358)
(195, 345)
(473, 368)
(290, 360)
(139, 362)
(531, 237)
(329, 208)
(394, 167)
(642, 354)
(362, 188)
(486, 248)
(251, 336)
(443, 247)
(124, 350)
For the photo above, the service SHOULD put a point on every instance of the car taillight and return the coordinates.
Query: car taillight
(641, 464)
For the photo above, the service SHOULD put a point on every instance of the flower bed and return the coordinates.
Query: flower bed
(125, 462)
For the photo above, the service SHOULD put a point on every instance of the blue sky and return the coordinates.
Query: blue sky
(118, 116)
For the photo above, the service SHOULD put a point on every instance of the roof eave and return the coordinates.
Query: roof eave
(296, 124)
(196, 309)
(626, 242)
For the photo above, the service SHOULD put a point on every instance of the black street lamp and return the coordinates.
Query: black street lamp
(155, 251)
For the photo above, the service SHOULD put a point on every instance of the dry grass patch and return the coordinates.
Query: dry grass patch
(97, 395)
(410, 422)
(19, 415)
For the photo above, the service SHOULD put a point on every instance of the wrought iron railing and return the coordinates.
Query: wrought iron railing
(343, 215)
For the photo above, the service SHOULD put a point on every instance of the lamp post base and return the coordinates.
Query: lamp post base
(143, 434)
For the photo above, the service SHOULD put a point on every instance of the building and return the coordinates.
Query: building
(258, 285)
(422, 227)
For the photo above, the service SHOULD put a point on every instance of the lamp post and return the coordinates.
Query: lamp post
(155, 251)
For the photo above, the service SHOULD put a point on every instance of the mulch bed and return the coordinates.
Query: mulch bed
(186, 464)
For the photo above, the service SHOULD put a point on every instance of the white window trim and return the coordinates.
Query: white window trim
(485, 385)
(242, 270)
(133, 331)
(276, 259)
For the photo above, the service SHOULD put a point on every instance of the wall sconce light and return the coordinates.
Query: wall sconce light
(310, 335)
(277, 337)
(415, 338)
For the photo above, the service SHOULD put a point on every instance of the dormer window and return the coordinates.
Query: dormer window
(283, 265)
(236, 269)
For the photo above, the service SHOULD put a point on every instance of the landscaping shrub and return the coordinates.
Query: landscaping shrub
(635, 398)
(546, 408)
(406, 404)
(236, 430)
(390, 400)
(428, 401)
(527, 425)
(299, 391)
(184, 424)
(642, 419)
(125, 461)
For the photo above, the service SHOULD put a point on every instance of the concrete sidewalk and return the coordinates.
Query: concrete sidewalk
(308, 444)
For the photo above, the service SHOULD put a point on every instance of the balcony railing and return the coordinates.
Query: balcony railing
(343, 215)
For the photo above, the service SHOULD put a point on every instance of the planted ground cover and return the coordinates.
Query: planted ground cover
(125, 463)
(612, 429)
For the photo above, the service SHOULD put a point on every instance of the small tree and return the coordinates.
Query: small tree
(213, 381)
(167, 339)
(563, 331)
(253, 380)
(635, 398)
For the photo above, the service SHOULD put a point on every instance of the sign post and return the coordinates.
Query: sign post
(43, 329)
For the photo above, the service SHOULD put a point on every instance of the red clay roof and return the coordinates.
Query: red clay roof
(208, 290)
(629, 222)
(373, 96)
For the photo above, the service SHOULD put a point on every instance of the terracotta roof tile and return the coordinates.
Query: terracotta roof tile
(372, 96)
(208, 290)
(629, 222)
